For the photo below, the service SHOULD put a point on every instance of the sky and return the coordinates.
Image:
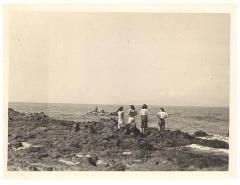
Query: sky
(119, 58)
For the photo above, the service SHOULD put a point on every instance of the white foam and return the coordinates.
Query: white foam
(88, 156)
(127, 153)
(24, 146)
(208, 149)
(79, 155)
(68, 162)
(218, 137)
(100, 162)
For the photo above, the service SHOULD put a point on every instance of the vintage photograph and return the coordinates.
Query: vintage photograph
(118, 91)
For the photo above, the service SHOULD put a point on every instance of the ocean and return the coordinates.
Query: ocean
(213, 120)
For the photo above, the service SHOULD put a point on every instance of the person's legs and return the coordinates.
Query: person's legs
(133, 126)
(159, 126)
(142, 124)
(119, 124)
(163, 126)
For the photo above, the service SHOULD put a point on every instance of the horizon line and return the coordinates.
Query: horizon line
(121, 104)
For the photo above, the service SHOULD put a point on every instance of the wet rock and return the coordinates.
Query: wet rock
(49, 168)
(43, 155)
(93, 160)
(144, 145)
(128, 129)
(198, 161)
(119, 167)
(200, 134)
(41, 129)
(55, 155)
(42, 116)
(35, 149)
(211, 143)
(14, 115)
(76, 127)
(34, 168)
(102, 139)
(16, 144)
(75, 144)
(92, 129)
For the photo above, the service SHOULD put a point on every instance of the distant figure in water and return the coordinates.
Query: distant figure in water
(144, 117)
(120, 117)
(96, 109)
(131, 119)
(161, 115)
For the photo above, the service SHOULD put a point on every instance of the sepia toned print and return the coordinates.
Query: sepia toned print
(118, 91)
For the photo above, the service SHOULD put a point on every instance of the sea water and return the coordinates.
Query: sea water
(213, 120)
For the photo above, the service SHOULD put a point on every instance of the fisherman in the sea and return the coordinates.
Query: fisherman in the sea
(96, 109)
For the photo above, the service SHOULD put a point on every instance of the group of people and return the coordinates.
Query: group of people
(98, 110)
(144, 114)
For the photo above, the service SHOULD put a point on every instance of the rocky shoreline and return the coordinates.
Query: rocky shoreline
(37, 142)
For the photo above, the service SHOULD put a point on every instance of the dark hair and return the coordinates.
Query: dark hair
(132, 107)
(120, 109)
(162, 109)
(144, 106)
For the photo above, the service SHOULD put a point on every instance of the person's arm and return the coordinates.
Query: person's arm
(122, 115)
(166, 115)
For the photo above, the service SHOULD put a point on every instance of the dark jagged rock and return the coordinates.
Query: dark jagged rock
(211, 143)
(199, 161)
(200, 134)
(14, 115)
(93, 160)
(113, 113)
(16, 144)
(17, 116)
(54, 139)
(76, 127)
(41, 129)
(128, 129)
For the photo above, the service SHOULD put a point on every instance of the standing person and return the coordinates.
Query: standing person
(131, 119)
(120, 117)
(144, 117)
(161, 115)
(96, 109)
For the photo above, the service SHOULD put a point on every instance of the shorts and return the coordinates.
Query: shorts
(131, 120)
(161, 123)
(144, 121)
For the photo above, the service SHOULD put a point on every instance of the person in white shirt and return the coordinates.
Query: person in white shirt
(161, 115)
(120, 117)
(144, 117)
(131, 119)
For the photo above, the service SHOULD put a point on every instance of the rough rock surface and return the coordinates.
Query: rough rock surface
(200, 134)
(56, 145)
